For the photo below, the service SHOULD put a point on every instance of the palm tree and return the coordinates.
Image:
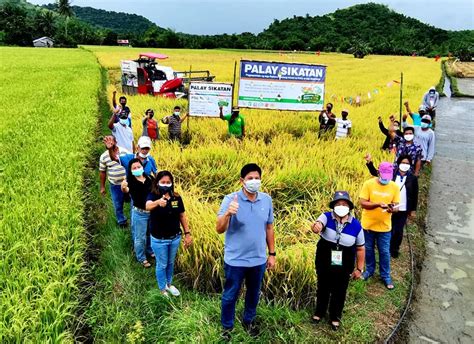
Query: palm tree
(65, 10)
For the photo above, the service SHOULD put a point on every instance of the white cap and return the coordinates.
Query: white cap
(422, 108)
(144, 142)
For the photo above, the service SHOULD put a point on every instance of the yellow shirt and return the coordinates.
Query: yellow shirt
(376, 219)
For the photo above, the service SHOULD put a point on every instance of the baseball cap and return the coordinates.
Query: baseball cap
(426, 117)
(144, 142)
(386, 170)
(422, 108)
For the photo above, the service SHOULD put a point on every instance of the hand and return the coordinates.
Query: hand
(114, 92)
(102, 191)
(404, 117)
(406, 103)
(271, 260)
(356, 274)
(428, 163)
(368, 157)
(380, 119)
(162, 202)
(109, 141)
(383, 205)
(392, 118)
(124, 184)
(412, 215)
(188, 240)
(317, 227)
(233, 206)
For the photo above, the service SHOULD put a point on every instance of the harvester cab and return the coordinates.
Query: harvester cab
(146, 76)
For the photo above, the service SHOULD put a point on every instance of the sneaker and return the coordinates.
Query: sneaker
(252, 329)
(165, 294)
(173, 290)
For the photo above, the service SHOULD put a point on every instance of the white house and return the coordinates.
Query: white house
(43, 42)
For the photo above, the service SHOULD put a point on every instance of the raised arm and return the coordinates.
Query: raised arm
(114, 99)
(111, 122)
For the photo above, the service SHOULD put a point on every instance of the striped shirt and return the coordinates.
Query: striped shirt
(174, 124)
(349, 235)
(115, 172)
(343, 126)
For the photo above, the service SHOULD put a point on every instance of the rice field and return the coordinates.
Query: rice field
(48, 116)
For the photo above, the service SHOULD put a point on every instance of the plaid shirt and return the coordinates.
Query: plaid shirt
(414, 151)
(174, 124)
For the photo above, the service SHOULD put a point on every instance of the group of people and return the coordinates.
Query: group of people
(328, 121)
(346, 247)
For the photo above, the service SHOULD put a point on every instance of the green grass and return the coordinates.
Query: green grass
(48, 115)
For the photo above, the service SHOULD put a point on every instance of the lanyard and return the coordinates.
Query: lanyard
(402, 181)
(339, 229)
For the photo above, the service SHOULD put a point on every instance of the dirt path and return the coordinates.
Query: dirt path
(444, 308)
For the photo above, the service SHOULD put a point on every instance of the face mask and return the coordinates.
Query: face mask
(137, 172)
(253, 185)
(425, 125)
(341, 210)
(143, 156)
(165, 188)
(404, 167)
(123, 121)
(384, 181)
(396, 128)
(177, 113)
(409, 137)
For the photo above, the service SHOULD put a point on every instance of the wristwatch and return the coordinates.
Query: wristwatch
(272, 254)
(361, 271)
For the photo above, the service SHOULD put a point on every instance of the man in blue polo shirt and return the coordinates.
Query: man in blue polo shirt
(246, 217)
(143, 153)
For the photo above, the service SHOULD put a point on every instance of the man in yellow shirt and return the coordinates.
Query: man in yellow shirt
(379, 198)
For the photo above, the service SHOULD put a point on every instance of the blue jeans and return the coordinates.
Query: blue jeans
(234, 276)
(165, 253)
(117, 200)
(383, 244)
(141, 242)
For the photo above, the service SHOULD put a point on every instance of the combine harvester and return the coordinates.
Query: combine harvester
(146, 76)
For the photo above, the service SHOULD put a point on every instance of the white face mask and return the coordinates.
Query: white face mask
(404, 167)
(252, 185)
(177, 113)
(409, 137)
(341, 210)
(143, 156)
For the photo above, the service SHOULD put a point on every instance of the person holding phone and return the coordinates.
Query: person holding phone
(379, 198)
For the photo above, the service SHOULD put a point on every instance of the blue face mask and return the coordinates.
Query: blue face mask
(123, 121)
(137, 172)
(384, 181)
(425, 125)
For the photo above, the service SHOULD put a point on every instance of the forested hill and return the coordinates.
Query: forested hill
(118, 22)
(383, 30)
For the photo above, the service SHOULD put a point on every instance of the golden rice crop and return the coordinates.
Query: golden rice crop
(300, 171)
(48, 115)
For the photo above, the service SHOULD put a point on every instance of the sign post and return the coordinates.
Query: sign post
(281, 86)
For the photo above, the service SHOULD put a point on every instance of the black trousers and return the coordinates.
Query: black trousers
(332, 288)
(399, 220)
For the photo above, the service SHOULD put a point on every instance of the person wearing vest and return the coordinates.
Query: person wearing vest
(341, 243)
(408, 184)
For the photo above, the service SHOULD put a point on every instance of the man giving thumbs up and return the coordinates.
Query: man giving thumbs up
(246, 217)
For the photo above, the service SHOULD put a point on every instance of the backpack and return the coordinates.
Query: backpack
(152, 129)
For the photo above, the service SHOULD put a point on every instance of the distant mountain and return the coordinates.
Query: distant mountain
(118, 22)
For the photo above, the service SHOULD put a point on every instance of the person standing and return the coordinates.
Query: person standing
(408, 185)
(344, 125)
(407, 146)
(167, 216)
(150, 126)
(174, 124)
(122, 105)
(327, 120)
(110, 168)
(246, 218)
(138, 185)
(392, 134)
(121, 131)
(430, 101)
(143, 154)
(416, 117)
(236, 122)
(425, 137)
(340, 245)
(379, 198)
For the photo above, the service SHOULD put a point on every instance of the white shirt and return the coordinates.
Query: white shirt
(124, 136)
(342, 127)
(403, 192)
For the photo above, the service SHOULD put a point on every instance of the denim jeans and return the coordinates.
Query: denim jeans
(141, 243)
(165, 253)
(117, 200)
(234, 276)
(382, 239)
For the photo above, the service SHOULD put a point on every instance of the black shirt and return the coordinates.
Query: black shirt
(164, 222)
(139, 191)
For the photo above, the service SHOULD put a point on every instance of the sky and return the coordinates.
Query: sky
(236, 16)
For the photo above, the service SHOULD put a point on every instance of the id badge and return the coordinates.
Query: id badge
(336, 257)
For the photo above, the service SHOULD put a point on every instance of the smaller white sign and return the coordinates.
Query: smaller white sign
(205, 98)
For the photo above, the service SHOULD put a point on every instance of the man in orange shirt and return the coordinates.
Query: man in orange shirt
(379, 198)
